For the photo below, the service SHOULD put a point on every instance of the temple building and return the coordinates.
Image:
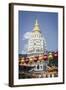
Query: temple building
(36, 46)
(36, 42)
(37, 63)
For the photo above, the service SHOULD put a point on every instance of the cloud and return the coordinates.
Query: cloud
(27, 35)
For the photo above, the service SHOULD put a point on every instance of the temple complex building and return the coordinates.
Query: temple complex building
(38, 62)
(36, 43)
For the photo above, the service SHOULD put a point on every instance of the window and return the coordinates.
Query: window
(37, 66)
(34, 43)
(41, 66)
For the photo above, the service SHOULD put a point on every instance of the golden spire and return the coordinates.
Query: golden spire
(36, 26)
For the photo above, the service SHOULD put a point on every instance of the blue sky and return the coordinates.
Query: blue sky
(48, 22)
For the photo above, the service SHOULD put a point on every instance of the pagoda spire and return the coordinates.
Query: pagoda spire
(36, 26)
(36, 23)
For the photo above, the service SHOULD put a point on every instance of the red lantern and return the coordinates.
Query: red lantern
(55, 55)
(45, 57)
(35, 58)
(27, 60)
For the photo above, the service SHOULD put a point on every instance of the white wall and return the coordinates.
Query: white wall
(4, 44)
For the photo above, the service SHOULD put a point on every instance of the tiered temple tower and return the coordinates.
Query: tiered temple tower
(36, 43)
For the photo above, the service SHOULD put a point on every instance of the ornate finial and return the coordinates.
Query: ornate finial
(36, 23)
(36, 26)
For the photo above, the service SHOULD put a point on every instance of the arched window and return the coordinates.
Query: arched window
(37, 66)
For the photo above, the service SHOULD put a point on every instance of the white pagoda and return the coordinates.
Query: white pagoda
(36, 43)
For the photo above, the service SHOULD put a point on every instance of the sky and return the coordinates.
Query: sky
(48, 23)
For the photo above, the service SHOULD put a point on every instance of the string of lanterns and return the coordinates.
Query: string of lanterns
(34, 59)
